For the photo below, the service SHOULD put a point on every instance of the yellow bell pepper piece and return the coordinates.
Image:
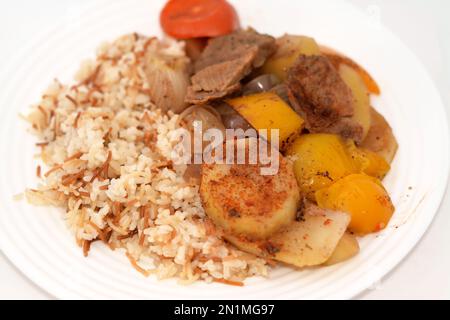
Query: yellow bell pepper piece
(268, 111)
(319, 160)
(363, 197)
(368, 162)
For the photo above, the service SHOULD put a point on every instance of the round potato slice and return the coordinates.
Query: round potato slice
(242, 201)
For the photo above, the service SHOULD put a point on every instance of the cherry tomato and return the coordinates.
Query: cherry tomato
(185, 19)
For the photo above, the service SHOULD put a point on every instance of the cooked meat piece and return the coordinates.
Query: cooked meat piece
(234, 45)
(202, 97)
(225, 62)
(318, 93)
(223, 75)
(347, 128)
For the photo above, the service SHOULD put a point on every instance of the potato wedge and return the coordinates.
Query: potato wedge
(361, 110)
(363, 197)
(338, 59)
(268, 111)
(346, 248)
(241, 201)
(380, 138)
(308, 242)
(289, 48)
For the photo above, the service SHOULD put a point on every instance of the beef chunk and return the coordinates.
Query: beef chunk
(234, 45)
(225, 62)
(318, 93)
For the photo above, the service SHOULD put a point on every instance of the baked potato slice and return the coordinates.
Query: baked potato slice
(338, 59)
(308, 242)
(242, 201)
(289, 48)
(346, 248)
(361, 104)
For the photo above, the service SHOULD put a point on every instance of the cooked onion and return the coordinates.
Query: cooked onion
(282, 91)
(209, 117)
(262, 83)
(230, 118)
(168, 80)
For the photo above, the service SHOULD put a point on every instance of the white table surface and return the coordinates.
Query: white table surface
(422, 25)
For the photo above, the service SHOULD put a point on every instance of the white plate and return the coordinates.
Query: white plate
(36, 239)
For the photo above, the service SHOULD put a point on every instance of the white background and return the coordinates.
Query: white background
(422, 25)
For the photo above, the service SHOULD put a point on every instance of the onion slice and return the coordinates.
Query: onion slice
(168, 80)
